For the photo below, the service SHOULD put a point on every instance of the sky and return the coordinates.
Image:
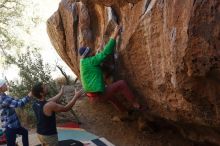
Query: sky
(38, 36)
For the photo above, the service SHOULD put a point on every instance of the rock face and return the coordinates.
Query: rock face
(168, 51)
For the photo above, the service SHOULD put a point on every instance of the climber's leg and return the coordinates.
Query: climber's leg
(117, 105)
(120, 87)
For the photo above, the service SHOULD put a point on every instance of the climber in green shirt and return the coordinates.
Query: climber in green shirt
(92, 76)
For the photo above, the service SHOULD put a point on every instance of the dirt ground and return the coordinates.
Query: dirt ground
(98, 118)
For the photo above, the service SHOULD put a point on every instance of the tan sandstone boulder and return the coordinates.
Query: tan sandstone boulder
(168, 51)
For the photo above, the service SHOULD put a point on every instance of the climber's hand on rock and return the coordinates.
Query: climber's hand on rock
(116, 32)
(99, 49)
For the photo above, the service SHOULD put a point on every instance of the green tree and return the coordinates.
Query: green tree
(14, 23)
(31, 70)
(10, 12)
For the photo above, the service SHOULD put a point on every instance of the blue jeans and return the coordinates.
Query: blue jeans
(11, 136)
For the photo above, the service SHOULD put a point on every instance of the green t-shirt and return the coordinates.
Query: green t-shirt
(90, 70)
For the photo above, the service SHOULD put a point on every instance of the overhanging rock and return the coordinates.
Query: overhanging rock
(169, 51)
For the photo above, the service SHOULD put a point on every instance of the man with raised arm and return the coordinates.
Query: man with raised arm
(45, 111)
(9, 117)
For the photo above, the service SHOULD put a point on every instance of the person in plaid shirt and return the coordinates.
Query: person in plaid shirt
(9, 117)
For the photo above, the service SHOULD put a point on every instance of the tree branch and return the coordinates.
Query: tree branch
(64, 74)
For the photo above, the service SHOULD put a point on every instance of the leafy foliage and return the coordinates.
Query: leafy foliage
(16, 20)
(31, 70)
(10, 12)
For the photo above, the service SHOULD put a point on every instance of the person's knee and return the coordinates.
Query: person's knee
(119, 85)
(122, 82)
